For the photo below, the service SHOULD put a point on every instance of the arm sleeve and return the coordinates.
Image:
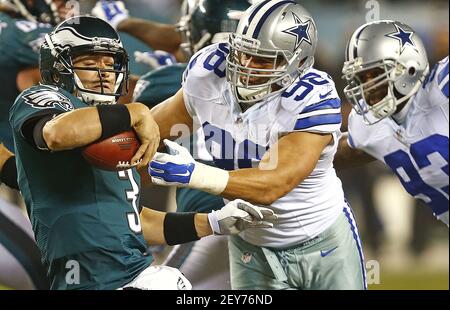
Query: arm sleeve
(322, 117)
(33, 105)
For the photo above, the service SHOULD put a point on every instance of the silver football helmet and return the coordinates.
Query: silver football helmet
(281, 32)
(396, 53)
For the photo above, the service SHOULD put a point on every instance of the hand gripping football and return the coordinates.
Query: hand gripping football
(113, 153)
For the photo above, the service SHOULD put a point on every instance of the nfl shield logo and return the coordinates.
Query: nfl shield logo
(180, 284)
(246, 257)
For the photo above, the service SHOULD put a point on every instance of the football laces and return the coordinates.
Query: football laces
(127, 165)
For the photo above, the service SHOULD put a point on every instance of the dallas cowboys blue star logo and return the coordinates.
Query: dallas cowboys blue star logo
(300, 31)
(404, 37)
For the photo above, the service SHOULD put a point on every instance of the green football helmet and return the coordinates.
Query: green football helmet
(204, 22)
(77, 36)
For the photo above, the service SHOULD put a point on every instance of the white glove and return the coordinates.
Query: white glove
(114, 12)
(155, 59)
(238, 215)
(182, 170)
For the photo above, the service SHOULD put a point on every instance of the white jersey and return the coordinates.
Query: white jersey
(238, 139)
(417, 149)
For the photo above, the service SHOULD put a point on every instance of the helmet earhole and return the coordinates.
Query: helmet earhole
(412, 71)
(55, 78)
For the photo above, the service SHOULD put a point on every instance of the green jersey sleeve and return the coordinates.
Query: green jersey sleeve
(38, 101)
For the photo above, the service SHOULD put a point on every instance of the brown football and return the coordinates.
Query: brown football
(114, 152)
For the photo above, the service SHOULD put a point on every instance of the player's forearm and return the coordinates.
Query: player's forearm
(278, 172)
(347, 157)
(152, 226)
(254, 185)
(157, 36)
(259, 186)
(5, 154)
(202, 226)
(81, 127)
(73, 129)
(8, 169)
(154, 230)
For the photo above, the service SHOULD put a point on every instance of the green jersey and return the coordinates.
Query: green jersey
(20, 41)
(82, 217)
(159, 84)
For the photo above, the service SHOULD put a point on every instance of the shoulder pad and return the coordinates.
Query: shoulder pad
(46, 97)
(205, 72)
(312, 88)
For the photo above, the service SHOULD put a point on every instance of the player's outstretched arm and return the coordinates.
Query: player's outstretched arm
(171, 117)
(284, 166)
(83, 126)
(176, 228)
(28, 77)
(156, 35)
(348, 157)
(8, 169)
(128, 98)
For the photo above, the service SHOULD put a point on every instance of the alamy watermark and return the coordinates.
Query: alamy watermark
(73, 275)
(373, 11)
(373, 272)
(72, 9)
(254, 148)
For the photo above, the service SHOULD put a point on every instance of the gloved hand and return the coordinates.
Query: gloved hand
(114, 12)
(155, 59)
(239, 215)
(182, 170)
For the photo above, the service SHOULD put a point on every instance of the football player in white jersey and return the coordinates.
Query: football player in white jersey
(271, 123)
(400, 112)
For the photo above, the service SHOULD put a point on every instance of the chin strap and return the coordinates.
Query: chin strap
(400, 116)
(95, 99)
(253, 94)
(385, 107)
(89, 98)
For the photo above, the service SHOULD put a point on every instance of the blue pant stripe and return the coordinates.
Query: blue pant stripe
(351, 219)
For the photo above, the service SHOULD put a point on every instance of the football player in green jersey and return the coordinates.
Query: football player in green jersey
(23, 25)
(88, 223)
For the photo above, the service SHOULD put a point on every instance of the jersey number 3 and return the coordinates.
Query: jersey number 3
(134, 221)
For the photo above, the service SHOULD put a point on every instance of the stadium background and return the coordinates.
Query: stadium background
(401, 238)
